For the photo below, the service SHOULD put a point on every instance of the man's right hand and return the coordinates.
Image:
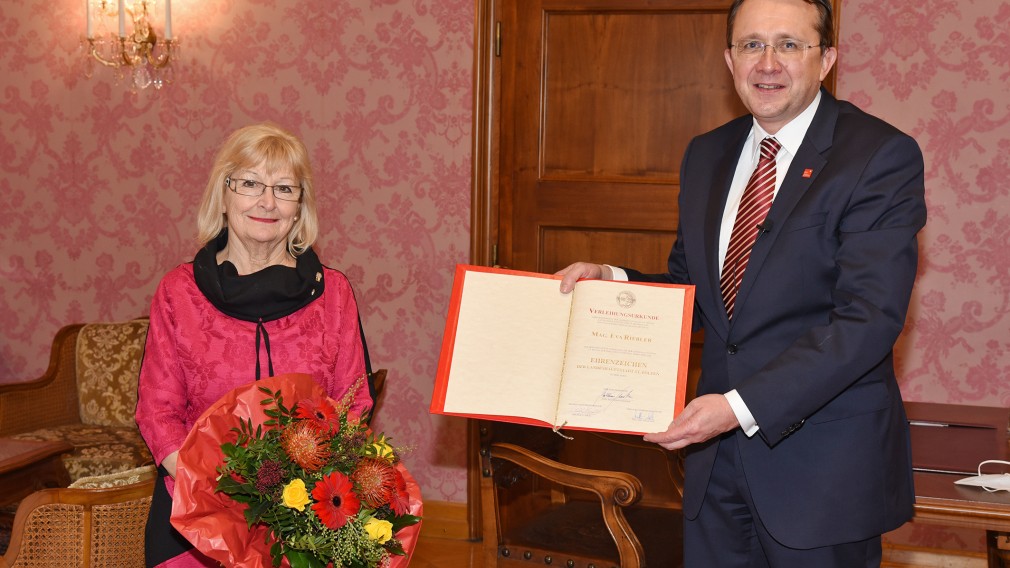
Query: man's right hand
(575, 272)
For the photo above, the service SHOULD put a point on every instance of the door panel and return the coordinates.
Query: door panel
(601, 102)
(610, 79)
(565, 245)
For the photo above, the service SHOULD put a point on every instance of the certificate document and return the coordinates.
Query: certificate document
(609, 356)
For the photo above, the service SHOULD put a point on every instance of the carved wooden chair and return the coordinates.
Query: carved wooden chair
(555, 502)
(377, 386)
(593, 500)
(98, 521)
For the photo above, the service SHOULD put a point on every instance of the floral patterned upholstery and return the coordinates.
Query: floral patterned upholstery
(98, 450)
(118, 479)
(105, 436)
(108, 364)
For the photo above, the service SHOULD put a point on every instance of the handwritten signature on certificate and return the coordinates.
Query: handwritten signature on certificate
(611, 394)
(602, 403)
(644, 415)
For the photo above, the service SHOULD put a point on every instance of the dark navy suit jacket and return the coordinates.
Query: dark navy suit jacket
(821, 305)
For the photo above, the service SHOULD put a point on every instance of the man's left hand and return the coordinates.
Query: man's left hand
(703, 418)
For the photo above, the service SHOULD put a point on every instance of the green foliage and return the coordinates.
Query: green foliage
(300, 536)
(403, 521)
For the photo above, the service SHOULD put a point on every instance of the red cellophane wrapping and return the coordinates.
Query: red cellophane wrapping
(212, 521)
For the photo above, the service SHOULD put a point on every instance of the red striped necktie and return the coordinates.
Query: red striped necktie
(754, 206)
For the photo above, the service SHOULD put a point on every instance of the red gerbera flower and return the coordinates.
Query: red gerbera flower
(399, 499)
(322, 413)
(335, 500)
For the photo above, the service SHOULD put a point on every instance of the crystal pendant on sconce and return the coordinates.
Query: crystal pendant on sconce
(167, 74)
(157, 82)
(141, 77)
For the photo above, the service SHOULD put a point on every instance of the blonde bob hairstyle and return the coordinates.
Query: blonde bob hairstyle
(248, 147)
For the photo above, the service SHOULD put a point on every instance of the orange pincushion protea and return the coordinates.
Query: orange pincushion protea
(375, 479)
(306, 445)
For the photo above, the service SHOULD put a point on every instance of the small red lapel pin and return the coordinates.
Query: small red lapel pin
(808, 172)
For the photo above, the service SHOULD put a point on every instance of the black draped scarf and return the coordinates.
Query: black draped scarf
(266, 295)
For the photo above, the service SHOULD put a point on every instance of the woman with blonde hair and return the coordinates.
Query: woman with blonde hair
(255, 302)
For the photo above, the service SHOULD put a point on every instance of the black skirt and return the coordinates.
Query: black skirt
(162, 541)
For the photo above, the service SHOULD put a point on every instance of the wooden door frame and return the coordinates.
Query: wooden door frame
(483, 192)
(483, 200)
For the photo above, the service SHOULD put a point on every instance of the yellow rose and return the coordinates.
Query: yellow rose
(383, 449)
(379, 530)
(295, 496)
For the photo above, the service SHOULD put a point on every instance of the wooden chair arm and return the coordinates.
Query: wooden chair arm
(378, 379)
(49, 400)
(674, 458)
(615, 489)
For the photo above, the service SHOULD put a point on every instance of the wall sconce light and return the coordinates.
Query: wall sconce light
(139, 52)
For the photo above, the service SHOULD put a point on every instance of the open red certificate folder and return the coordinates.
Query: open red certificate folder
(610, 356)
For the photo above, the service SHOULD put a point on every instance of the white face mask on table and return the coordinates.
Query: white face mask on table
(988, 481)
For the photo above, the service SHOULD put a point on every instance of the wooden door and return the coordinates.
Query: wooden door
(599, 100)
(583, 110)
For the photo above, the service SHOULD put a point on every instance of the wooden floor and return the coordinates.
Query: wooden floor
(451, 553)
(445, 553)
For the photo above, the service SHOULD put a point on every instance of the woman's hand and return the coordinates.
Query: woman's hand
(170, 462)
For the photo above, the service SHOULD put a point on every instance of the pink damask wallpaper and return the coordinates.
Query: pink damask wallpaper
(101, 185)
(939, 70)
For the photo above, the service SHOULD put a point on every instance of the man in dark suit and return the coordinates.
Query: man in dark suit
(797, 445)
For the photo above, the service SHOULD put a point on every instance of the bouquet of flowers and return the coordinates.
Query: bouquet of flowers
(319, 487)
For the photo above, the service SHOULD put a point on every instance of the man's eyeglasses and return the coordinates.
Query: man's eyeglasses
(785, 48)
(251, 188)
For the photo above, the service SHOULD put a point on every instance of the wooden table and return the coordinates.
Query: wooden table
(939, 501)
(27, 466)
(948, 442)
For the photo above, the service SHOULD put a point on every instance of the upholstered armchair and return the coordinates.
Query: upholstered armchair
(86, 397)
(97, 521)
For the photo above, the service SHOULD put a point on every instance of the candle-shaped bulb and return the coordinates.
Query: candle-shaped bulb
(168, 19)
(122, 18)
